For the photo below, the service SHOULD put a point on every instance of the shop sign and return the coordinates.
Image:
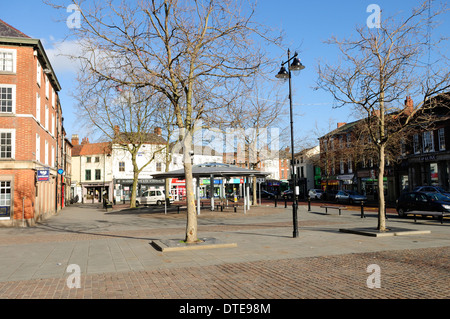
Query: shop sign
(43, 175)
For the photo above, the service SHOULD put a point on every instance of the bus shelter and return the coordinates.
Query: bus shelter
(213, 170)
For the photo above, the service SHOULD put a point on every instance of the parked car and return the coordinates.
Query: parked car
(266, 194)
(330, 195)
(350, 197)
(422, 202)
(431, 189)
(151, 197)
(315, 193)
(287, 193)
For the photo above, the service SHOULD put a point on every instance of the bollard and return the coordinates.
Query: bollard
(178, 209)
(362, 210)
(275, 201)
(285, 202)
(309, 203)
(235, 208)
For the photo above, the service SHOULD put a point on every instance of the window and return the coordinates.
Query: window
(47, 87)
(46, 117)
(87, 174)
(7, 142)
(7, 98)
(38, 73)
(341, 141)
(53, 156)
(98, 174)
(342, 167)
(38, 148)
(46, 153)
(121, 166)
(441, 134)
(158, 167)
(428, 143)
(38, 107)
(8, 60)
(349, 140)
(97, 159)
(416, 144)
(53, 124)
(88, 159)
(350, 165)
(5, 199)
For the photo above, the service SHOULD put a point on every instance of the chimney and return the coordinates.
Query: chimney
(287, 149)
(158, 131)
(340, 124)
(116, 130)
(85, 141)
(75, 139)
(409, 105)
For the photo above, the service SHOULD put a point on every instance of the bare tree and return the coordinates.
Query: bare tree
(195, 53)
(379, 68)
(124, 116)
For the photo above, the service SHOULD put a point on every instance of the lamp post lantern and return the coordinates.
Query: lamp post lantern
(284, 74)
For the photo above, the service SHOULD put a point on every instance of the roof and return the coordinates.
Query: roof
(9, 31)
(11, 36)
(91, 149)
(145, 138)
(215, 169)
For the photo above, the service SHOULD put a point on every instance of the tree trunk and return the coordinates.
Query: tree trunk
(191, 224)
(134, 187)
(381, 201)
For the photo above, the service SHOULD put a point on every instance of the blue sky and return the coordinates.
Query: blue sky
(306, 25)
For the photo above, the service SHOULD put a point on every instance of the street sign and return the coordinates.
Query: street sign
(60, 171)
(43, 175)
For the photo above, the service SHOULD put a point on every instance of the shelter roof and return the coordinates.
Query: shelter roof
(215, 169)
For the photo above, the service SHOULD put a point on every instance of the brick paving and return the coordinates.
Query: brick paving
(272, 272)
(406, 274)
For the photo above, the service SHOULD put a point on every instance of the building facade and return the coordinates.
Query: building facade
(31, 131)
(91, 170)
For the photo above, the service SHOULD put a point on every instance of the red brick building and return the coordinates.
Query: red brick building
(31, 132)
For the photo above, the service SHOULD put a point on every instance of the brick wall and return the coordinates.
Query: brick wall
(39, 202)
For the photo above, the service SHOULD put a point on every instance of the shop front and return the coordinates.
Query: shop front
(432, 170)
(123, 187)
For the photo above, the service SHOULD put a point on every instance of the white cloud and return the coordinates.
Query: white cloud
(60, 54)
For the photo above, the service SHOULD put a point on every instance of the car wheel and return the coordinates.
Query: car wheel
(158, 202)
(137, 203)
(401, 212)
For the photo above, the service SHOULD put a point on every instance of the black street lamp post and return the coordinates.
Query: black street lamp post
(284, 74)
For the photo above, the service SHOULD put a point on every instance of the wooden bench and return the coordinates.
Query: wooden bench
(333, 207)
(416, 213)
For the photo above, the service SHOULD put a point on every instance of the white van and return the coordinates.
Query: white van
(151, 197)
